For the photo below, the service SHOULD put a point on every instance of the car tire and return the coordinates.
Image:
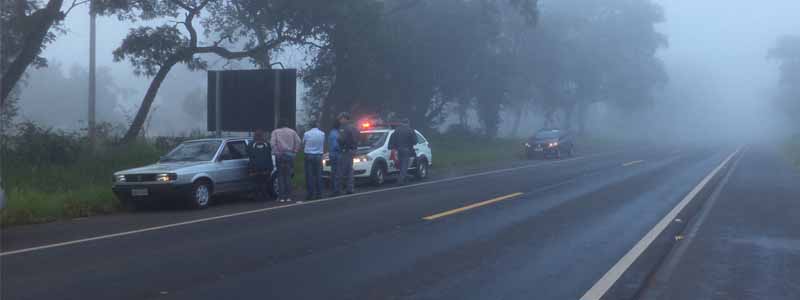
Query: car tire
(378, 173)
(201, 194)
(422, 169)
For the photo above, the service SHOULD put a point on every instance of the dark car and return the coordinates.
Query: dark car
(550, 143)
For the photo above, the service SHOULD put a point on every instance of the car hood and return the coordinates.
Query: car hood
(162, 167)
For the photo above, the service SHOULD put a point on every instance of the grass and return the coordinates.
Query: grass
(40, 191)
(449, 152)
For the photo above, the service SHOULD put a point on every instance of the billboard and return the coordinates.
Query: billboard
(245, 100)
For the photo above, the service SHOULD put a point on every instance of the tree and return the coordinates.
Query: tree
(26, 27)
(787, 52)
(409, 58)
(254, 28)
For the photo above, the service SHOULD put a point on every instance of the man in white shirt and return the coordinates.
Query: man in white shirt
(314, 140)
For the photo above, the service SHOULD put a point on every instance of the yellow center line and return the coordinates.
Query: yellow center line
(471, 206)
(628, 164)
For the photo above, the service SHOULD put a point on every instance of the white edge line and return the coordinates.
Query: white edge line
(119, 234)
(601, 287)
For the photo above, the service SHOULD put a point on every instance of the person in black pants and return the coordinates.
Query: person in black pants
(348, 144)
(403, 140)
(261, 166)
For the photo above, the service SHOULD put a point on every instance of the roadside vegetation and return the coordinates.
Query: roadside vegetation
(50, 174)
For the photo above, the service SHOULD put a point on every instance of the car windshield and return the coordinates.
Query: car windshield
(371, 139)
(550, 134)
(193, 151)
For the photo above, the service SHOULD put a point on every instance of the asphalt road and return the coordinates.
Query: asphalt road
(542, 230)
(745, 243)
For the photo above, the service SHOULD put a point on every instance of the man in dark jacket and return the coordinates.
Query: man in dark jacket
(402, 141)
(348, 145)
(261, 165)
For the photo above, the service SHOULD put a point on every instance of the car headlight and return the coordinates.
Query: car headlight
(553, 144)
(527, 145)
(360, 159)
(119, 178)
(166, 177)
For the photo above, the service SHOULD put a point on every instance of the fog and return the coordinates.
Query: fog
(720, 80)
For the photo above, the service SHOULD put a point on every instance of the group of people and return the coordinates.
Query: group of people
(284, 143)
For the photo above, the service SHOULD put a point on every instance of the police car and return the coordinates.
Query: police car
(373, 160)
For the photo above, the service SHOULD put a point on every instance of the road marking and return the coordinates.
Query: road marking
(630, 163)
(471, 206)
(605, 283)
(260, 210)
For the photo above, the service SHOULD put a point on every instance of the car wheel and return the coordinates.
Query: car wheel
(201, 194)
(378, 174)
(422, 169)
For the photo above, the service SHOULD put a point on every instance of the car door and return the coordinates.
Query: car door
(233, 168)
(385, 152)
(422, 147)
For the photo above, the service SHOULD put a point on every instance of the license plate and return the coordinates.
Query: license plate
(139, 192)
(538, 149)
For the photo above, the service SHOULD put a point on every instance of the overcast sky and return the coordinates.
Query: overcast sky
(724, 40)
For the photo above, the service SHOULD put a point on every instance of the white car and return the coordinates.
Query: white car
(372, 160)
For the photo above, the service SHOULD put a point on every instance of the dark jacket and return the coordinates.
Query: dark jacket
(348, 138)
(403, 138)
(260, 154)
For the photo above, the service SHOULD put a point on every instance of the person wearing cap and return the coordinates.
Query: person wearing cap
(285, 144)
(314, 141)
(348, 144)
(402, 143)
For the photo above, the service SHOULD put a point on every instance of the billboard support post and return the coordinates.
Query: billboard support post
(218, 103)
(277, 110)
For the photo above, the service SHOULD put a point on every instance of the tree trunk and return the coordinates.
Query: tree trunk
(147, 102)
(42, 20)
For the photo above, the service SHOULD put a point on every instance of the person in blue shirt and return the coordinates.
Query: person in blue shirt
(314, 141)
(333, 154)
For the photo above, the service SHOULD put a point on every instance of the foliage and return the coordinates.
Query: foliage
(26, 27)
(51, 174)
(787, 53)
(69, 113)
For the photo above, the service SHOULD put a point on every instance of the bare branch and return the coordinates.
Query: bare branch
(76, 3)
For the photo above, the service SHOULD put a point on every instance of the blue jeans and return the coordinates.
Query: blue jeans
(313, 169)
(285, 168)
